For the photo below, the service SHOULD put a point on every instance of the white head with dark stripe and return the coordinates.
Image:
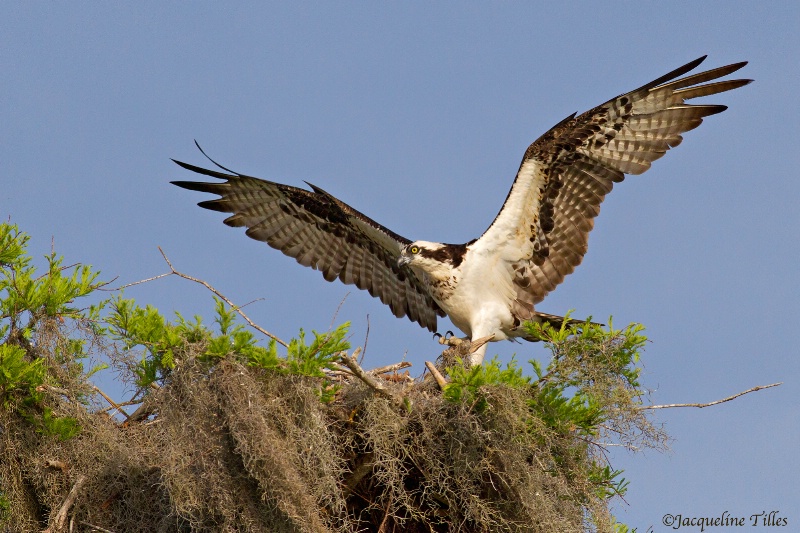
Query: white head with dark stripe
(434, 258)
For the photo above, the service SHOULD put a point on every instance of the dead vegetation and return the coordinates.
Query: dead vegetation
(231, 447)
(223, 434)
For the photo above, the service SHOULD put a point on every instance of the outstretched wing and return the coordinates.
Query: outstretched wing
(543, 228)
(324, 233)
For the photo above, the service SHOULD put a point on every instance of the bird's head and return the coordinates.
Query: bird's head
(419, 254)
(433, 258)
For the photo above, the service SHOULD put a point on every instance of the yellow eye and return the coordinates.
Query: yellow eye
(414, 249)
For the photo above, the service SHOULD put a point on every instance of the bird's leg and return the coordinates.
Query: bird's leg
(478, 349)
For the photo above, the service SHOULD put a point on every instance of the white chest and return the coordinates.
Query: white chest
(477, 295)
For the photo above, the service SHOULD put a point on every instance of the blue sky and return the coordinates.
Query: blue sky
(418, 116)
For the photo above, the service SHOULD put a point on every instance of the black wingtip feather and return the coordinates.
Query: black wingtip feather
(680, 71)
(192, 185)
(709, 110)
(737, 66)
(214, 205)
(203, 171)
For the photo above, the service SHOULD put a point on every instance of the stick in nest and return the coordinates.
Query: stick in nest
(61, 517)
(436, 374)
(351, 362)
(389, 368)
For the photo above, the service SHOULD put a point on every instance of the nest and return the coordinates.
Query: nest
(230, 447)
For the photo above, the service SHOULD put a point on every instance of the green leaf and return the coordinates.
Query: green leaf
(19, 378)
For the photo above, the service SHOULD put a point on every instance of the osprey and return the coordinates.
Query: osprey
(489, 286)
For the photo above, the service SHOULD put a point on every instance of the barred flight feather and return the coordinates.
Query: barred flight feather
(539, 236)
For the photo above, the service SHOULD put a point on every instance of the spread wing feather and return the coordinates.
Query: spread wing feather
(323, 233)
(543, 228)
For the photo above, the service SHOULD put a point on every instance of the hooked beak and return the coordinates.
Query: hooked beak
(403, 260)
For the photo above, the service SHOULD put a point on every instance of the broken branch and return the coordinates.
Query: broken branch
(436, 374)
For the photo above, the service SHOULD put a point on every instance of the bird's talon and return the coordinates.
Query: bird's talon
(448, 339)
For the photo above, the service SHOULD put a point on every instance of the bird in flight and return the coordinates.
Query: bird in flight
(488, 287)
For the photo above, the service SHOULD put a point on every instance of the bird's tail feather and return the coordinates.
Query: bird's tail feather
(556, 322)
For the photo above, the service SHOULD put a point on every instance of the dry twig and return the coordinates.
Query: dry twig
(143, 411)
(389, 368)
(236, 308)
(137, 282)
(98, 528)
(436, 374)
(701, 405)
(113, 404)
(223, 297)
(61, 517)
(351, 362)
(55, 390)
(116, 406)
